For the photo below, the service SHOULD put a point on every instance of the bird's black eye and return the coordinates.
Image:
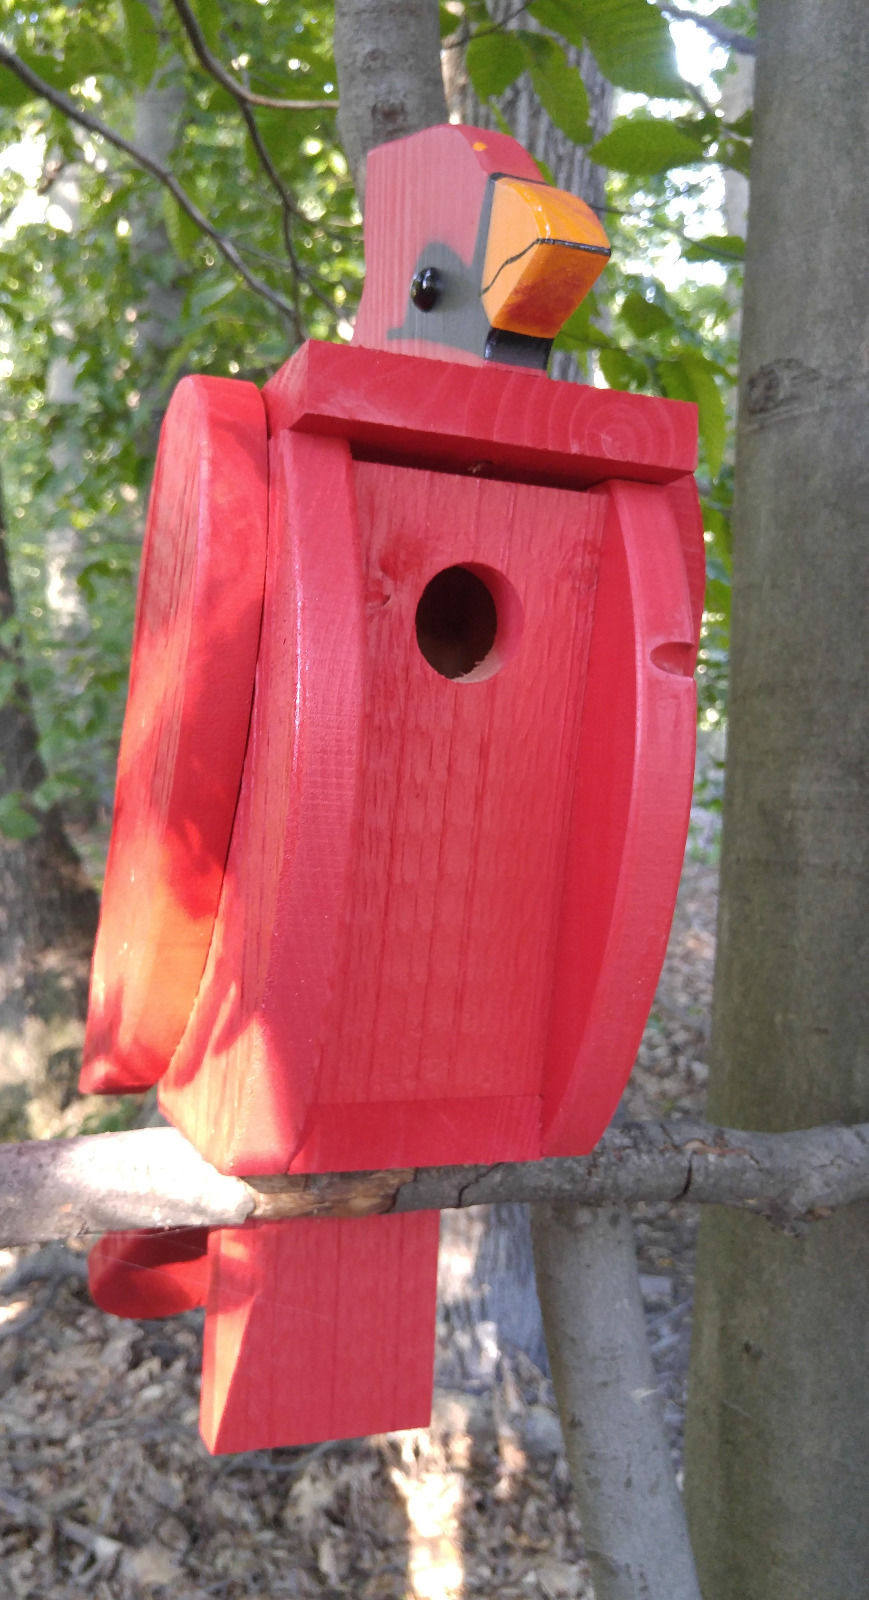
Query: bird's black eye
(425, 290)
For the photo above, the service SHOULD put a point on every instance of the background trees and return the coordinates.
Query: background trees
(777, 1469)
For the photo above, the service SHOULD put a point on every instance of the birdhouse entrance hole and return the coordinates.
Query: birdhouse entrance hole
(467, 622)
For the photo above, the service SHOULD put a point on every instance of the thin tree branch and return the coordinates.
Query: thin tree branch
(717, 30)
(238, 90)
(458, 40)
(153, 1179)
(290, 208)
(86, 119)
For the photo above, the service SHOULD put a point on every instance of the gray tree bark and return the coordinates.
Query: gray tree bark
(387, 55)
(633, 1523)
(153, 1178)
(778, 1427)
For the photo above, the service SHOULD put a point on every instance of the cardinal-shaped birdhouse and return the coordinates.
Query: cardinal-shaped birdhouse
(404, 779)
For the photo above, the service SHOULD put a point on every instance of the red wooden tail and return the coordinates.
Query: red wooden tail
(322, 1330)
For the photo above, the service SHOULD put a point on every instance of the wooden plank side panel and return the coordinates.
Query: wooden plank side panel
(191, 681)
(632, 807)
(387, 931)
(241, 1082)
(491, 419)
(319, 1330)
(466, 794)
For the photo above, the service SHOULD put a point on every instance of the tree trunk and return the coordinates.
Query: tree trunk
(387, 54)
(777, 1440)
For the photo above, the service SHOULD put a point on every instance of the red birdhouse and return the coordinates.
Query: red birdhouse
(404, 779)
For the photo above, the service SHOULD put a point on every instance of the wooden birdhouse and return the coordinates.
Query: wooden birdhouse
(404, 780)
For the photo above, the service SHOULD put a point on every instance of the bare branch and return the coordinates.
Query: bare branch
(86, 119)
(717, 30)
(238, 90)
(153, 1178)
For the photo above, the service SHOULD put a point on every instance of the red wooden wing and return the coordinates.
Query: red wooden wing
(631, 807)
(150, 1274)
(319, 1329)
(194, 652)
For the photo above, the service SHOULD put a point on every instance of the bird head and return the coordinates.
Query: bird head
(470, 255)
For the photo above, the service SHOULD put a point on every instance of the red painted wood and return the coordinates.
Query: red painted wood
(243, 1078)
(386, 934)
(319, 1330)
(494, 420)
(150, 1274)
(426, 188)
(630, 818)
(442, 912)
(194, 651)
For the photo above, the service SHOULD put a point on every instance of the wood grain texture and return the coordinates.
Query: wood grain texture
(494, 421)
(379, 984)
(244, 1076)
(419, 191)
(319, 1330)
(191, 680)
(632, 803)
(427, 927)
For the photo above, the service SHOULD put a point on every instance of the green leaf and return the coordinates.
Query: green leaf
(724, 247)
(13, 93)
(645, 145)
(561, 16)
(15, 821)
(558, 86)
(184, 236)
(744, 125)
(576, 331)
(621, 370)
(52, 70)
(717, 598)
(643, 316)
(208, 293)
(629, 40)
(210, 19)
(143, 44)
(494, 61)
(692, 377)
(736, 154)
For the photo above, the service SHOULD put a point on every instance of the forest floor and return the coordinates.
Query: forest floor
(106, 1490)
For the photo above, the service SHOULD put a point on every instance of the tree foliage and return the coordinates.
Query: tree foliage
(116, 282)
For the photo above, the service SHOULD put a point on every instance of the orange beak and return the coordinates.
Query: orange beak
(545, 249)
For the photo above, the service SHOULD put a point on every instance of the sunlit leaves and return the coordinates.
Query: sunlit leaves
(558, 85)
(693, 376)
(494, 60)
(728, 248)
(644, 317)
(644, 145)
(629, 39)
(142, 298)
(142, 46)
